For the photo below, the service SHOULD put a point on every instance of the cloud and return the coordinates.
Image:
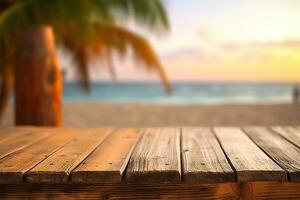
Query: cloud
(291, 43)
(192, 54)
(180, 53)
(205, 33)
(229, 52)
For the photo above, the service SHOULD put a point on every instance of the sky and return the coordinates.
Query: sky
(229, 40)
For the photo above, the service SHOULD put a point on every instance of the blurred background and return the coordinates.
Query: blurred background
(199, 63)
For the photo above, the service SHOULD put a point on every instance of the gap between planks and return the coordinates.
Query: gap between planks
(283, 152)
(118, 173)
(58, 166)
(109, 160)
(249, 161)
(156, 158)
(14, 166)
(203, 160)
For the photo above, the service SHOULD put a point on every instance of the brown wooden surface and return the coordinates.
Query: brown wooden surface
(283, 152)
(10, 131)
(232, 191)
(21, 139)
(270, 191)
(108, 162)
(154, 168)
(121, 191)
(290, 133)
(203, 160)
(156, 157)
(13, 166)
(57, 167)
(250, 163)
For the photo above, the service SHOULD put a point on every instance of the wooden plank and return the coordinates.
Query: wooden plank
(19, 130)
(270, 191)
(156, 158)
(8, 131)
(250, 163)
(57, 167)
(13, 166)
(108, 162)
(21, 139)
(247, 191)
(283, 152)
(203, 160)
(121, 191)
(290, 133)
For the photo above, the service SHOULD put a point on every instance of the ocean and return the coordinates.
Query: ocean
(183, 93)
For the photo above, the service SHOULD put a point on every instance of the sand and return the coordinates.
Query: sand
(138, 115)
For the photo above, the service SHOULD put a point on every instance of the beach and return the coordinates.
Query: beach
(147, 115)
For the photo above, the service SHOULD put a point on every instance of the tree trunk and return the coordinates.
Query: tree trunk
(5, 88)
(38, 79)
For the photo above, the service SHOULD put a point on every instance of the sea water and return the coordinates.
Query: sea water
(183, 93)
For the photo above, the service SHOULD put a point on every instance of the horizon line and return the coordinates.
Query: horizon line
(188, 81)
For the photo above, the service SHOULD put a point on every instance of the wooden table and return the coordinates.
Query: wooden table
(150, 163)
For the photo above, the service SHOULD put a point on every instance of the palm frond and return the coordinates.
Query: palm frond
(110, 65)
(79, 51)
(81, 59)
(116, 39)
(58, 13)
(150, 14)
(88, 28)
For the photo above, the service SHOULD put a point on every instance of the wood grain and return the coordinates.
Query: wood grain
(57, 167)
(108, 162)
(121, 191)
(232, 191)
(270, 191)
(10, 131)
(250, 163)
(290, 133)
(21, 139)
(283, 152)
(203, 160)
(13, 166)
(156, 157)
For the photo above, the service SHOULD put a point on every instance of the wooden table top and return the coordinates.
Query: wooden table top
(149, 155)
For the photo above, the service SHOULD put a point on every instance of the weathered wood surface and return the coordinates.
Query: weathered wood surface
(203, 160)
(156, 157)
(290, 133)
(232, 191)
(283, 152)
(108, 162)
(121, 191)
(10, 131)
(99, 163)
(270, 191)
(250, 163)
(21, 138)
(153, 155)
(57, 167)
(14, 166)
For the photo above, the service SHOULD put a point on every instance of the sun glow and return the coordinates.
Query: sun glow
(236, 41)
(230, 40)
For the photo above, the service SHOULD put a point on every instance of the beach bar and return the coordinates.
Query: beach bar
(150, 163)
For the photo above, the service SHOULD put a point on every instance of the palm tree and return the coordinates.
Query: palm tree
(88, 29)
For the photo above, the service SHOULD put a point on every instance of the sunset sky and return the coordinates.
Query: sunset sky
(230, 40)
